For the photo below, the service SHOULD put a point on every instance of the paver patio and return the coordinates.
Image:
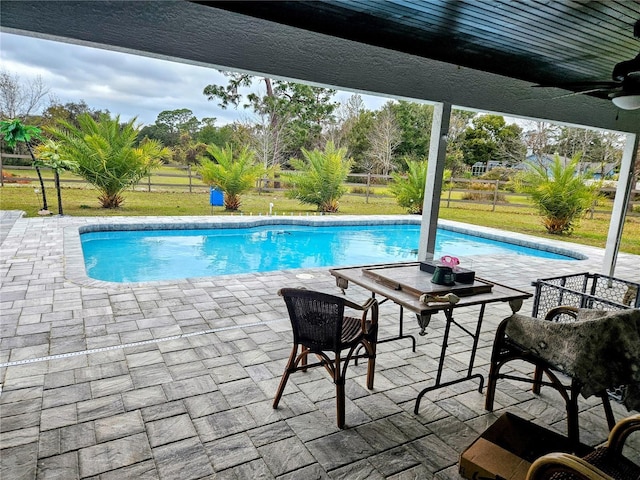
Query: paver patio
(174, 380)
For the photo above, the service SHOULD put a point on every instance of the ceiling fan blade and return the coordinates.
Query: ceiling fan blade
(581, 86)
(587, 92)
(625, 84)
(596, 89)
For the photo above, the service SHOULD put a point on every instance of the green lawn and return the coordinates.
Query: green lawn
(165, 174)
(83, 202)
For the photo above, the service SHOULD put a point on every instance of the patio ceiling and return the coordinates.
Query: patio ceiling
(477, 54)
(542, 42)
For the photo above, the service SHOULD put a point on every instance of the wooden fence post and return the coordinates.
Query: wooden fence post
(189, 171)
(449, 195)
(1, 175)
(149, 183)
(368, 185)
(495, 196)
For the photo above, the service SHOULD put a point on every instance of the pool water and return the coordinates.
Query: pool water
(146, 255)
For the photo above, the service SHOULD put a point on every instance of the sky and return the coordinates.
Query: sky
(124, 84)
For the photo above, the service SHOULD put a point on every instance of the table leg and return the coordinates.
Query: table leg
(476, 338)
(401, 334)
(438, 384)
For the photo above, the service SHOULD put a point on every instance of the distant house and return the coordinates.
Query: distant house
(600, 170)
(480, 168)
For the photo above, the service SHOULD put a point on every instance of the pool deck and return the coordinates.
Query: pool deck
(175, 379)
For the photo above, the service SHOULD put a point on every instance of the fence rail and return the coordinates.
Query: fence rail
(472, 191)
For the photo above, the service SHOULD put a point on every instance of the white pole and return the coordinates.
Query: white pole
(433, 186)
(620, 204)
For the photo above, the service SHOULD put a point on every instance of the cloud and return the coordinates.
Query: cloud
(125, 84)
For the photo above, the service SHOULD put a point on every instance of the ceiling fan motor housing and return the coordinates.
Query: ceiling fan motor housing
(626, 68)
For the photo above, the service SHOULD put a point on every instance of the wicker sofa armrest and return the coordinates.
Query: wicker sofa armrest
(574, 467)
(561, 310)
(621, 431)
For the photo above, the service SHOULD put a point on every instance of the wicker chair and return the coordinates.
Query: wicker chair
(505, 350)
(603, 463)
(321, 328)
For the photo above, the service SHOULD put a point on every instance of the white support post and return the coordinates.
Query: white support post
(620, 204)
(433, 186)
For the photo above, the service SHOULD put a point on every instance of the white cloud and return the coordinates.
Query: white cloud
(124, 84)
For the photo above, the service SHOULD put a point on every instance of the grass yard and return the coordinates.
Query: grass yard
(168, 175)
(83, 202)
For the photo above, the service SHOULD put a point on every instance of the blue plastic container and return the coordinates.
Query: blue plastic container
(216, 197)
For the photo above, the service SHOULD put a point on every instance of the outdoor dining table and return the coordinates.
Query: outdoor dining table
(404, 284)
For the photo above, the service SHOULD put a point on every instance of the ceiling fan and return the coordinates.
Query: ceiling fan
(624, 87)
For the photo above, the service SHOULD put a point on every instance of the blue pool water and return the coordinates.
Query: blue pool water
(138, 256)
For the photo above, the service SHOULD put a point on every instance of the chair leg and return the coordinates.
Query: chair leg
(340, 407)
(371, 366)
(611, 420)
(491, 393)
(285, 376)
(492, 381)
(303, 360)
(573, 428)
(494, 367)
(339, 379)
(537, 380)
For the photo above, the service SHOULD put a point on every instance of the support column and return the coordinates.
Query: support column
(620, 204)
(433, 186)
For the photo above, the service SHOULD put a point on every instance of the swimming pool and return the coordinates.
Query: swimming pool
(148, 255)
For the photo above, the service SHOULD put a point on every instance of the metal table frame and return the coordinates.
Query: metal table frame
(423, 311)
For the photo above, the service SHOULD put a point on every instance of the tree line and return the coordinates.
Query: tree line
(296, 132)
(284, 117)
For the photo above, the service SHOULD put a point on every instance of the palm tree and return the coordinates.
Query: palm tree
(49, 155)
(15, 132)
(409, 189)
(560, 193)
(318, 179)
(233, 175)
(106, 154)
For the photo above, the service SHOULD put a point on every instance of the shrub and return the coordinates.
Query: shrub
(318, 178)
(484, 197)
(233, 174)
(499, 173)
(484, 192)
(409, 190)
(560, 193)
(8, 161)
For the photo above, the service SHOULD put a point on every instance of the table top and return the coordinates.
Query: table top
(409, 298)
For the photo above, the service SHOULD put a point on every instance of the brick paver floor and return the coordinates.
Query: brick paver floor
(174, 380)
